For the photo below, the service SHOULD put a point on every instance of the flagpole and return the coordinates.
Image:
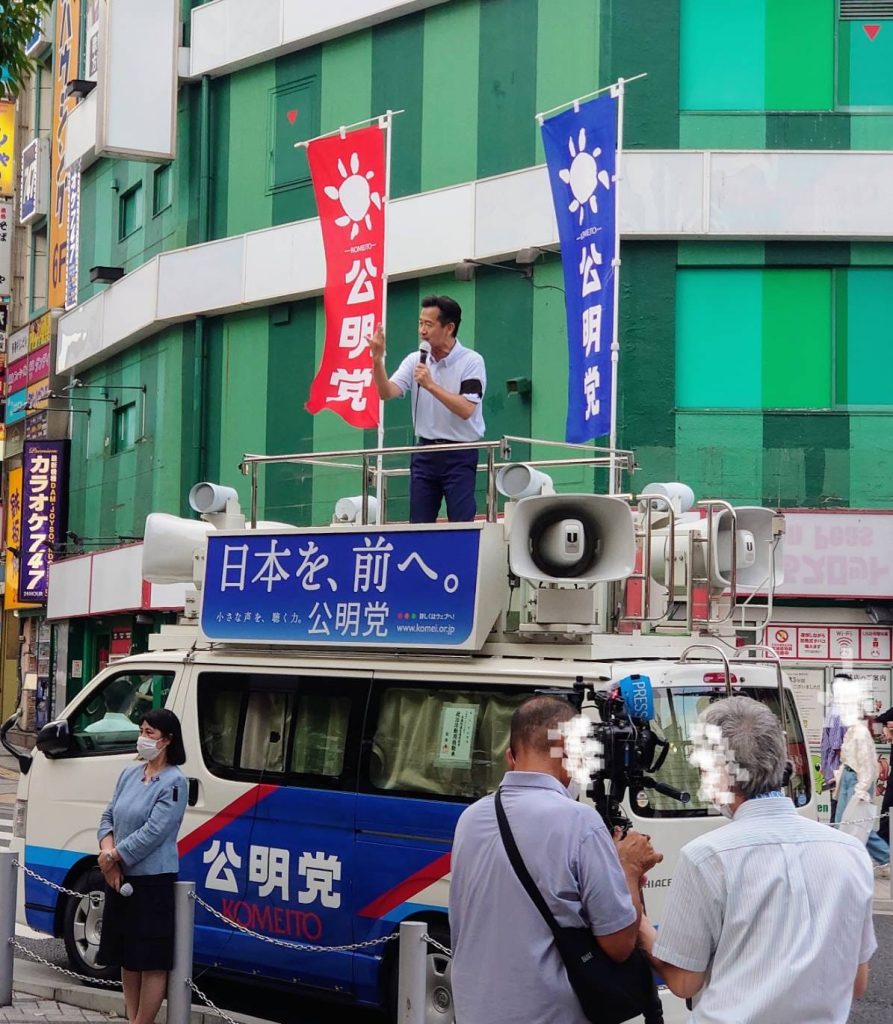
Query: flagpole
(613, 473)
(385, 121)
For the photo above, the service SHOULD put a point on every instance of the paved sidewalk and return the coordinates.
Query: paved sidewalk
(29, 1009)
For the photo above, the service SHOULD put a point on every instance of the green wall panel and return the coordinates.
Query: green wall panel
(800, 54)
(567, 63)
(629, 46)
(796, 330)
(397, 48)
(717, 254)
(871, 131)
(722, 131)
(807, 131)
(721, 455)
(220, 169)
(865, 77)
(806, 459)
(865, 337)
(249, 203)
(719, 326)
(871, 254)
(807, 254)
(289, 426)
(506, 137)
(871, 461)
(449, 94)
(722, 55)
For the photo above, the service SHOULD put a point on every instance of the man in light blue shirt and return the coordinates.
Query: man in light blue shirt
(506, 968)
(446, 384)
(768, 919)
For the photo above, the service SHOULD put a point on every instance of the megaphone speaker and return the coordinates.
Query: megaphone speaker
(575, 538)
(168, 546)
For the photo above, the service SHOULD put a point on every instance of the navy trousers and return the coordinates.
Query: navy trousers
(438, 475)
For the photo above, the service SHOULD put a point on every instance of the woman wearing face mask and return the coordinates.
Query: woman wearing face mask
(138, 859)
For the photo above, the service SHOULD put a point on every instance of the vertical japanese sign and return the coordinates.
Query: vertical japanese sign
(581, 153)
(6, 222)
(43, 514)
(7, 148)
(73, 235)
(349, 183)
(13, 540)
(68, 22)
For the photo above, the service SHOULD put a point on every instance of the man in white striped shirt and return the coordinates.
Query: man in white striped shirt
(769, 918)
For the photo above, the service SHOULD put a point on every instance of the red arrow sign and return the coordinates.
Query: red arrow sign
(871, 31)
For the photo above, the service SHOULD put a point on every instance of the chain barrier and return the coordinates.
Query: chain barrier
(302, 947)
(52, 885)
(107, 982)
(208, 1002)
(437, 945)
(857, 821)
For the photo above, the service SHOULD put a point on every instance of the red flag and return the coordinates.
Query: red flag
(349, 182)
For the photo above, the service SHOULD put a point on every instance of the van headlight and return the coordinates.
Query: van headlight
(19, 819)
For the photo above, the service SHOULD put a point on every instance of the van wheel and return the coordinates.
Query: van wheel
(439, 1007)
(82, 926)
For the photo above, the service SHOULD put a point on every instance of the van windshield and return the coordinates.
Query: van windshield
(676, 710)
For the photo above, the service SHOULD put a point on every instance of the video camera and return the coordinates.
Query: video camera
(631, 748)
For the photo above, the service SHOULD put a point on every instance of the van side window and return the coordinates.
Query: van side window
(107, 721)
(447, 743)
(254, 725)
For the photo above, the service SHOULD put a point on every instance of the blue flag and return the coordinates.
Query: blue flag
(581, 154)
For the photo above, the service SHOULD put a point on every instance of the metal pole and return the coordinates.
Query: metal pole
(613, 481)
(385, 123)
(411, 983)
(492, 503)
(179, 992)
(8, 891)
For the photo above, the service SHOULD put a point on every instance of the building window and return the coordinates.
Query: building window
(130, 211)
(123, 428)
(293, 117)
(162, 189)
(39, 269)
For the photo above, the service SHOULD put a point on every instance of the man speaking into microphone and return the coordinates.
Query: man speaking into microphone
(446, 382)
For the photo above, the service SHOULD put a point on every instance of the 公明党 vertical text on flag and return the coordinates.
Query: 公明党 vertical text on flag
(349, 183)
(581, 154)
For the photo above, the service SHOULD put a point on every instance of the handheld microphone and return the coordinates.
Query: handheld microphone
(638, 696)
(424, 351)
(126, 889)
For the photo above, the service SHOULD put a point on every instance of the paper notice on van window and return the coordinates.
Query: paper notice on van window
(457, 722)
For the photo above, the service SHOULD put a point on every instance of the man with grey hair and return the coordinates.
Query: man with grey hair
(768, 919)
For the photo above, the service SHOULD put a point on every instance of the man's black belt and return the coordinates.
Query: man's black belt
(437, 440)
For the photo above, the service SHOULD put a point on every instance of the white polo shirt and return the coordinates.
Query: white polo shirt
(778, 909)
(462, 371)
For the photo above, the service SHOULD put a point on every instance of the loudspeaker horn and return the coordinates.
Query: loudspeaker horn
(572, 538)
(169, 544)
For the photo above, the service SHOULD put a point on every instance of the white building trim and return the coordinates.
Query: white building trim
(232, 34)
(687, 194)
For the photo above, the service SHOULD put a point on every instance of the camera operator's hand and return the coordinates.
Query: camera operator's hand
(636, 853)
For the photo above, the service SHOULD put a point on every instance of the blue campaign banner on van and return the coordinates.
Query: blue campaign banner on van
(581, 155)
(392, 587)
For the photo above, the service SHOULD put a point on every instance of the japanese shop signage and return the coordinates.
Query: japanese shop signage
(39, 40)
(4, 323)
(7, 147)
(34, 181)
(6, 216)
(17, 345)
(837, 554)
(43, 514)
(65, 68)
(831, 643)
(581, 152)
(13, 539)
(349, 180)
(73, 237)
(395, 587)
(15, 406)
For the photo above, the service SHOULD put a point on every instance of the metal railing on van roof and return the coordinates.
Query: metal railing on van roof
(372, 470)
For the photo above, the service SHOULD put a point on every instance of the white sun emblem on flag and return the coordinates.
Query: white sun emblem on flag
(355, 196)
(583, 175)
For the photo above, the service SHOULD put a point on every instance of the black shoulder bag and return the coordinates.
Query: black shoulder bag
(609, 993)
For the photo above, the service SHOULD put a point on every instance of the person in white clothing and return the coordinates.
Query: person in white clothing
(768, 919)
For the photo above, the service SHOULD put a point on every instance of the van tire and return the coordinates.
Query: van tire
(439, 1008)
(82, 925)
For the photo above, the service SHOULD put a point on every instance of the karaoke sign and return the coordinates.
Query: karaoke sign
(349, 182)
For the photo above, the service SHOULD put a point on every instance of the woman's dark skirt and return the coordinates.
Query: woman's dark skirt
(138, 930)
